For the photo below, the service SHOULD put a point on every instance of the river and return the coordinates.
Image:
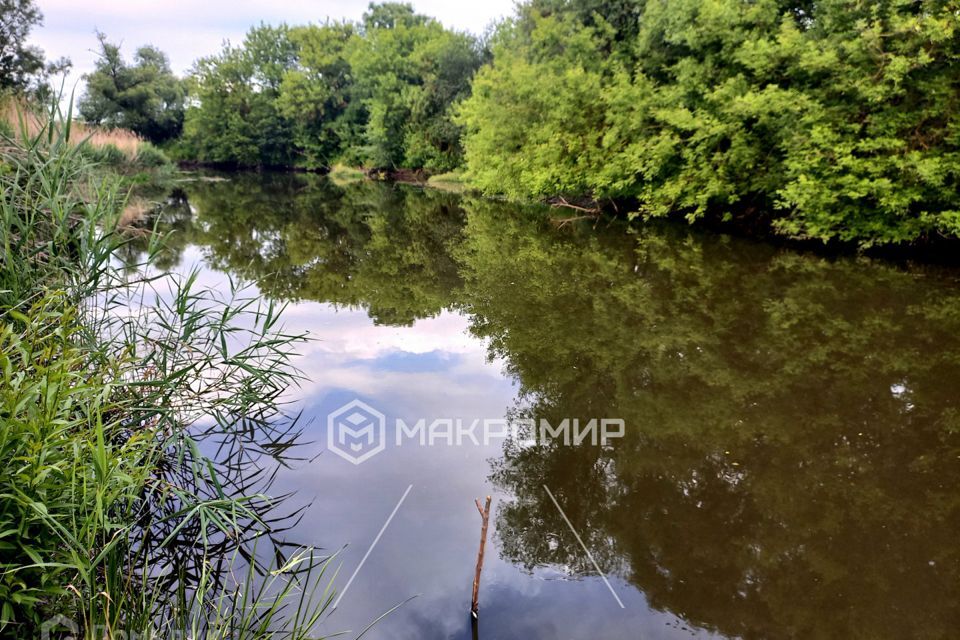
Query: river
(780, 431)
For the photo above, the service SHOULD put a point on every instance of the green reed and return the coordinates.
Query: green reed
(113, 524)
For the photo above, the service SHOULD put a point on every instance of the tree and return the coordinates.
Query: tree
(409, 72)
(535, 121)
(237, 118)
(20, 64)
(145, 97)
(378, 93)
(317, 94)
(390, 15)
(827, 120)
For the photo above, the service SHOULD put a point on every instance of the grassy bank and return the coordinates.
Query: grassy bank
(117, 150)
(112, 522)
(454, 181)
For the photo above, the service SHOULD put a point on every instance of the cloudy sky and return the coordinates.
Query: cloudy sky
(189, 29)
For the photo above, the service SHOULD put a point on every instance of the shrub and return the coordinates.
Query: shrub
(109, 155)
(827, 120)
(150, 157)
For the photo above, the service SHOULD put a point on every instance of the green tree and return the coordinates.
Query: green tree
(22, 67)
(237, 119)
(317, 95)
(830, 120)
(377, 93)
(535, 124)
(145, 97)
(409, 71)
(18, 61)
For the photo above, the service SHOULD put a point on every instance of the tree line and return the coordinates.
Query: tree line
(827, 120)
(834, 119)
(380, 93)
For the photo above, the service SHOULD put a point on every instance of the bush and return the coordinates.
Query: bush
(150, 157)
(109, 155)
(837, 121)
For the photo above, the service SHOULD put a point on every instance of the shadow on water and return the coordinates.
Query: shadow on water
(791, 454)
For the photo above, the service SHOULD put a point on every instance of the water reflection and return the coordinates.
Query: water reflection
(791, 458)
(304, 238)
(791, 462)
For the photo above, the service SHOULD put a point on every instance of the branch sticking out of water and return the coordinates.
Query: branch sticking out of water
(485, 515)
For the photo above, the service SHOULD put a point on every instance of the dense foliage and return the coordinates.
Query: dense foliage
(377, 93)
(145, 97)
(18, 60)
(828, 120)
(836, 119)
(238, 120)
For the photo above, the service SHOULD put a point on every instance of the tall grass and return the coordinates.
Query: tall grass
(112, 521)
(113, 147)
(20, 117)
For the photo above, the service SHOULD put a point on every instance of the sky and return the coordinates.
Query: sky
(189, 29)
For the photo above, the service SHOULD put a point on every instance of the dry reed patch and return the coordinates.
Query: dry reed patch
(16, 114)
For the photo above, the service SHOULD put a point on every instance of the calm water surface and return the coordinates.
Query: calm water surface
(791, 460)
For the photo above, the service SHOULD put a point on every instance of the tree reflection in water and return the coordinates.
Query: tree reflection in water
(791, 459)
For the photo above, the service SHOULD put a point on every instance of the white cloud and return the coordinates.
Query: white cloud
(346, 350)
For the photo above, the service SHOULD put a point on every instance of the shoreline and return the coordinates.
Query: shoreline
(938, 252)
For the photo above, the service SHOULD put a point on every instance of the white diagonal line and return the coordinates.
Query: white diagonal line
(589, 555)
(372, 545)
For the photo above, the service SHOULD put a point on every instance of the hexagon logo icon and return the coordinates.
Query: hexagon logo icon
(356, 432)
(57, 627)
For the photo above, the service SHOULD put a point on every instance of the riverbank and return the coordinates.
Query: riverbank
(746, 221)
(789, 123)
(117, 150)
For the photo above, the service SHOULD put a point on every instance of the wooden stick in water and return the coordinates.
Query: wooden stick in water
(485, 514)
